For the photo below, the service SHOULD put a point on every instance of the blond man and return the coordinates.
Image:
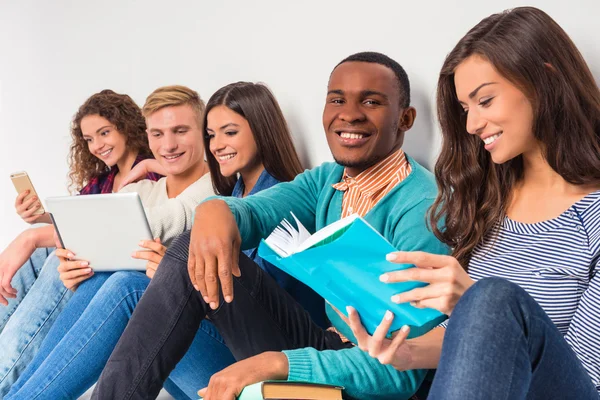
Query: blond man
(82, 337)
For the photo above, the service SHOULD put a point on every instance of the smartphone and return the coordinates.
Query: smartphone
(22, 183)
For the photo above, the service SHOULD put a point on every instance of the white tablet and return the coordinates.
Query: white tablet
(103, 229)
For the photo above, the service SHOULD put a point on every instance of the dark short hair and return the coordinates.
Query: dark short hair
(382, 59)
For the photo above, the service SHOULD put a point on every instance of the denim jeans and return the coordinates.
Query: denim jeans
(23, 281)
(262, 317)
(500, 344)
(28, 319)
(83, 337)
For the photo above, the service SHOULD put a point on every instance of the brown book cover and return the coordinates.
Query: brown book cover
(286, 390)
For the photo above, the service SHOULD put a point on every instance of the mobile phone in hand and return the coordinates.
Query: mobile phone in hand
(22, 183)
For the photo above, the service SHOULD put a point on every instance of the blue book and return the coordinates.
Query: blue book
(342, 263)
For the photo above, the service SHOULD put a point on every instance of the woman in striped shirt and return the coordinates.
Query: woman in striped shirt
(519, 203)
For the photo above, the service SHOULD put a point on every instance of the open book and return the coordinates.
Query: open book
(342, 263)
(286, 240)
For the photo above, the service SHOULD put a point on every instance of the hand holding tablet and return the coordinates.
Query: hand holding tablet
(102, 230)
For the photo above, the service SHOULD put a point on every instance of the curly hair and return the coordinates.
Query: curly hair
(121, 111)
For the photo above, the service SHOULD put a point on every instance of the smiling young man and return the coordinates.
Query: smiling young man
(204, 274)
(174, 125)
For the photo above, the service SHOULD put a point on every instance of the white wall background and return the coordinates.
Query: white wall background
(55, 54)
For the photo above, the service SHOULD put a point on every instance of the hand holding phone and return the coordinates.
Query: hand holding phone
(27, 204)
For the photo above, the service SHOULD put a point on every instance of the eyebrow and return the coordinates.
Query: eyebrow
(102, 127)
(363, 93)
(224, 126)
(177, 127)
(474, 92)
(366, 93)
(228, 125)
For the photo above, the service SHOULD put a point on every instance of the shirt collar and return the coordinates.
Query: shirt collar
(265, 180)
(369, 181)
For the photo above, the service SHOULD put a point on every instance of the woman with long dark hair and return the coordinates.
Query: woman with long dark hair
(519, 203)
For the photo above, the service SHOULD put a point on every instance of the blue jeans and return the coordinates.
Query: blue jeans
(23, 281)
(28, 318)
(500, 344)
(80, 342)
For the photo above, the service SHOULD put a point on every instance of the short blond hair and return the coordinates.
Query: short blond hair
(174, 95)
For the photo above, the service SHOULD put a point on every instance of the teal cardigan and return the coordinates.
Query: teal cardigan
(400, 217)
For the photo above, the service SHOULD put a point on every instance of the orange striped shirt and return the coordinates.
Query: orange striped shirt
(363, 191)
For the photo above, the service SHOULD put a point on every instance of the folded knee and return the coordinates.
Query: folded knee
(180, 247)
(493, 293)
(127, 281)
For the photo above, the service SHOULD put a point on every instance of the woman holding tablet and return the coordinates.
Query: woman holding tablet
(173, 117)
(519, 178)
(245, 134)
(109, 138)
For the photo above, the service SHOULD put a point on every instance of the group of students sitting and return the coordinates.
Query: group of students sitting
(508, 240)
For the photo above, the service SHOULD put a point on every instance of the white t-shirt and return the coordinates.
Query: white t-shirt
(169, 218)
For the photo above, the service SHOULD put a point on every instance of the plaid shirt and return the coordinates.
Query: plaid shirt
(104, 182)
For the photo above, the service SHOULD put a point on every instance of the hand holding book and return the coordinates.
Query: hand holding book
(343, 263)
(447, 280)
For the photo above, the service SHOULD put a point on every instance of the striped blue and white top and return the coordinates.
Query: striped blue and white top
(558, 263)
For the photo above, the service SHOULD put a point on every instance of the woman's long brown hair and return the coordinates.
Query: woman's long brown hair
(532, 51)
(256, 103)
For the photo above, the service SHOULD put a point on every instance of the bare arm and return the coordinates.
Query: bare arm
(43, 236)
(17, 253)
(140, 171)
(425, 350)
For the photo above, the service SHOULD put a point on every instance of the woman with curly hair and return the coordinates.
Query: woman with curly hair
(99, 160)
(121, 139)
(109, 138)
(519, 203)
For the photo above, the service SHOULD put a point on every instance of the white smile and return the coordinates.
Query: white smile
(226, 157)
(173, 157)
(491, 139)
(106, 153)
(348, 135)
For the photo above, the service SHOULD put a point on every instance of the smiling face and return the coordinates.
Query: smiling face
(103, 139)
(496, 110)
(231, 141)
(362, 115)
(176, 139)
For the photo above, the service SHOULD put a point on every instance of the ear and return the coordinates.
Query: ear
(407, 119)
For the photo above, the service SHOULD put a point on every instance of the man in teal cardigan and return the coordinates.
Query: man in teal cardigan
(204, 275)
